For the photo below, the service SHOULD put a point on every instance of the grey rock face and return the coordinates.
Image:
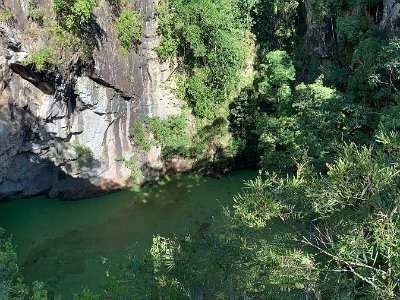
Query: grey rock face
(321, 36)
(391, 17)
(46, 119)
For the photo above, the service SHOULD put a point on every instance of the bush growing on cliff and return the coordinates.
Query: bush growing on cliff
(138, 134)
(171, 133)
(129, 28)
(84, 152)
(6, 15)
(210, 37)
(274, 23)
(74, 14)
(35, 13)
(168, 42)
(42, 59)
(76, 28)
(211, 41)
(136, 172)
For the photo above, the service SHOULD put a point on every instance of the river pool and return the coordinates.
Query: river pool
(62, 243)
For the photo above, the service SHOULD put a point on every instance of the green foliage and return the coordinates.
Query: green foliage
(81, 12)
(205, 99)
(364, 60)
(216, 264)
(63, 39)
(83, 150)
(309, 120)
(38, 291)
(384, 75)
(129, 28)
(275, 23)
(10, 283)
(84, 153)
(168, 43)
(177, 85)
(243, 111)
(136, 172)
(12, 286)
(172, 134)
(35, 13)
(351, 30)
(211, 42)
(86, 294)
(210, 37)
(361, 192)
(276, 76)
(324, 222)
(74, 15)
(137, 134)
(6, 15)
(42, 59)
(335, 236)
(76, 28)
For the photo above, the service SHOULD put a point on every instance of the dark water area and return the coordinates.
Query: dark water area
(63, 243)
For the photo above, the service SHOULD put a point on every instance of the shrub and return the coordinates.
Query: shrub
(210, 37)
(168, 42)
(85, 154)
(6, 14)
(42, 58)
(136, 172)
(129, 28)
(137, 134)
(82, 150)
(75, 27)
(171, 133)
(35, 13)
(74, 14)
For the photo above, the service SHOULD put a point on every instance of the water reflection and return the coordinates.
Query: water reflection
(62, 243)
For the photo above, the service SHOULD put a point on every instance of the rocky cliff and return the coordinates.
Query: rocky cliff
(61, 130)
(321, 35)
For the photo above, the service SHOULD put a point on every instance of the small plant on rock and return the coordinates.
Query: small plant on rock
(42, 59)
(6, 15)
(36, 14)
(129, 28)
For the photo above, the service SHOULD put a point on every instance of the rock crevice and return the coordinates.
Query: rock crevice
(62, 130)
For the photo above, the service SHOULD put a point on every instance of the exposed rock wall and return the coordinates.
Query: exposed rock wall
(391, 17)
(46, 117)
(321, 29)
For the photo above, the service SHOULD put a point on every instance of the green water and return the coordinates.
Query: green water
(62, 242)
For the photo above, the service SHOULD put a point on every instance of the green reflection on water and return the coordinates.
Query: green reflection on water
(62, 242)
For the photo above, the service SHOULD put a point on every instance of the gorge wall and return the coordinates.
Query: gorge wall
(48, 120)
(62, 130)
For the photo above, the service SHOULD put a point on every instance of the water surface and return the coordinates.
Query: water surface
(62, 243)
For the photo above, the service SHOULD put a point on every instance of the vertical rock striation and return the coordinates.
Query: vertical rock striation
(47, 118)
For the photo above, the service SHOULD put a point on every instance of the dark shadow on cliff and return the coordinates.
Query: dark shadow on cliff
(35, 161)
(205, 155)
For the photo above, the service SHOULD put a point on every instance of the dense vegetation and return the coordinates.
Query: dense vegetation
(209, 41)
(326, 132)
(129, 27)
(321, 117)
(338, 238)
